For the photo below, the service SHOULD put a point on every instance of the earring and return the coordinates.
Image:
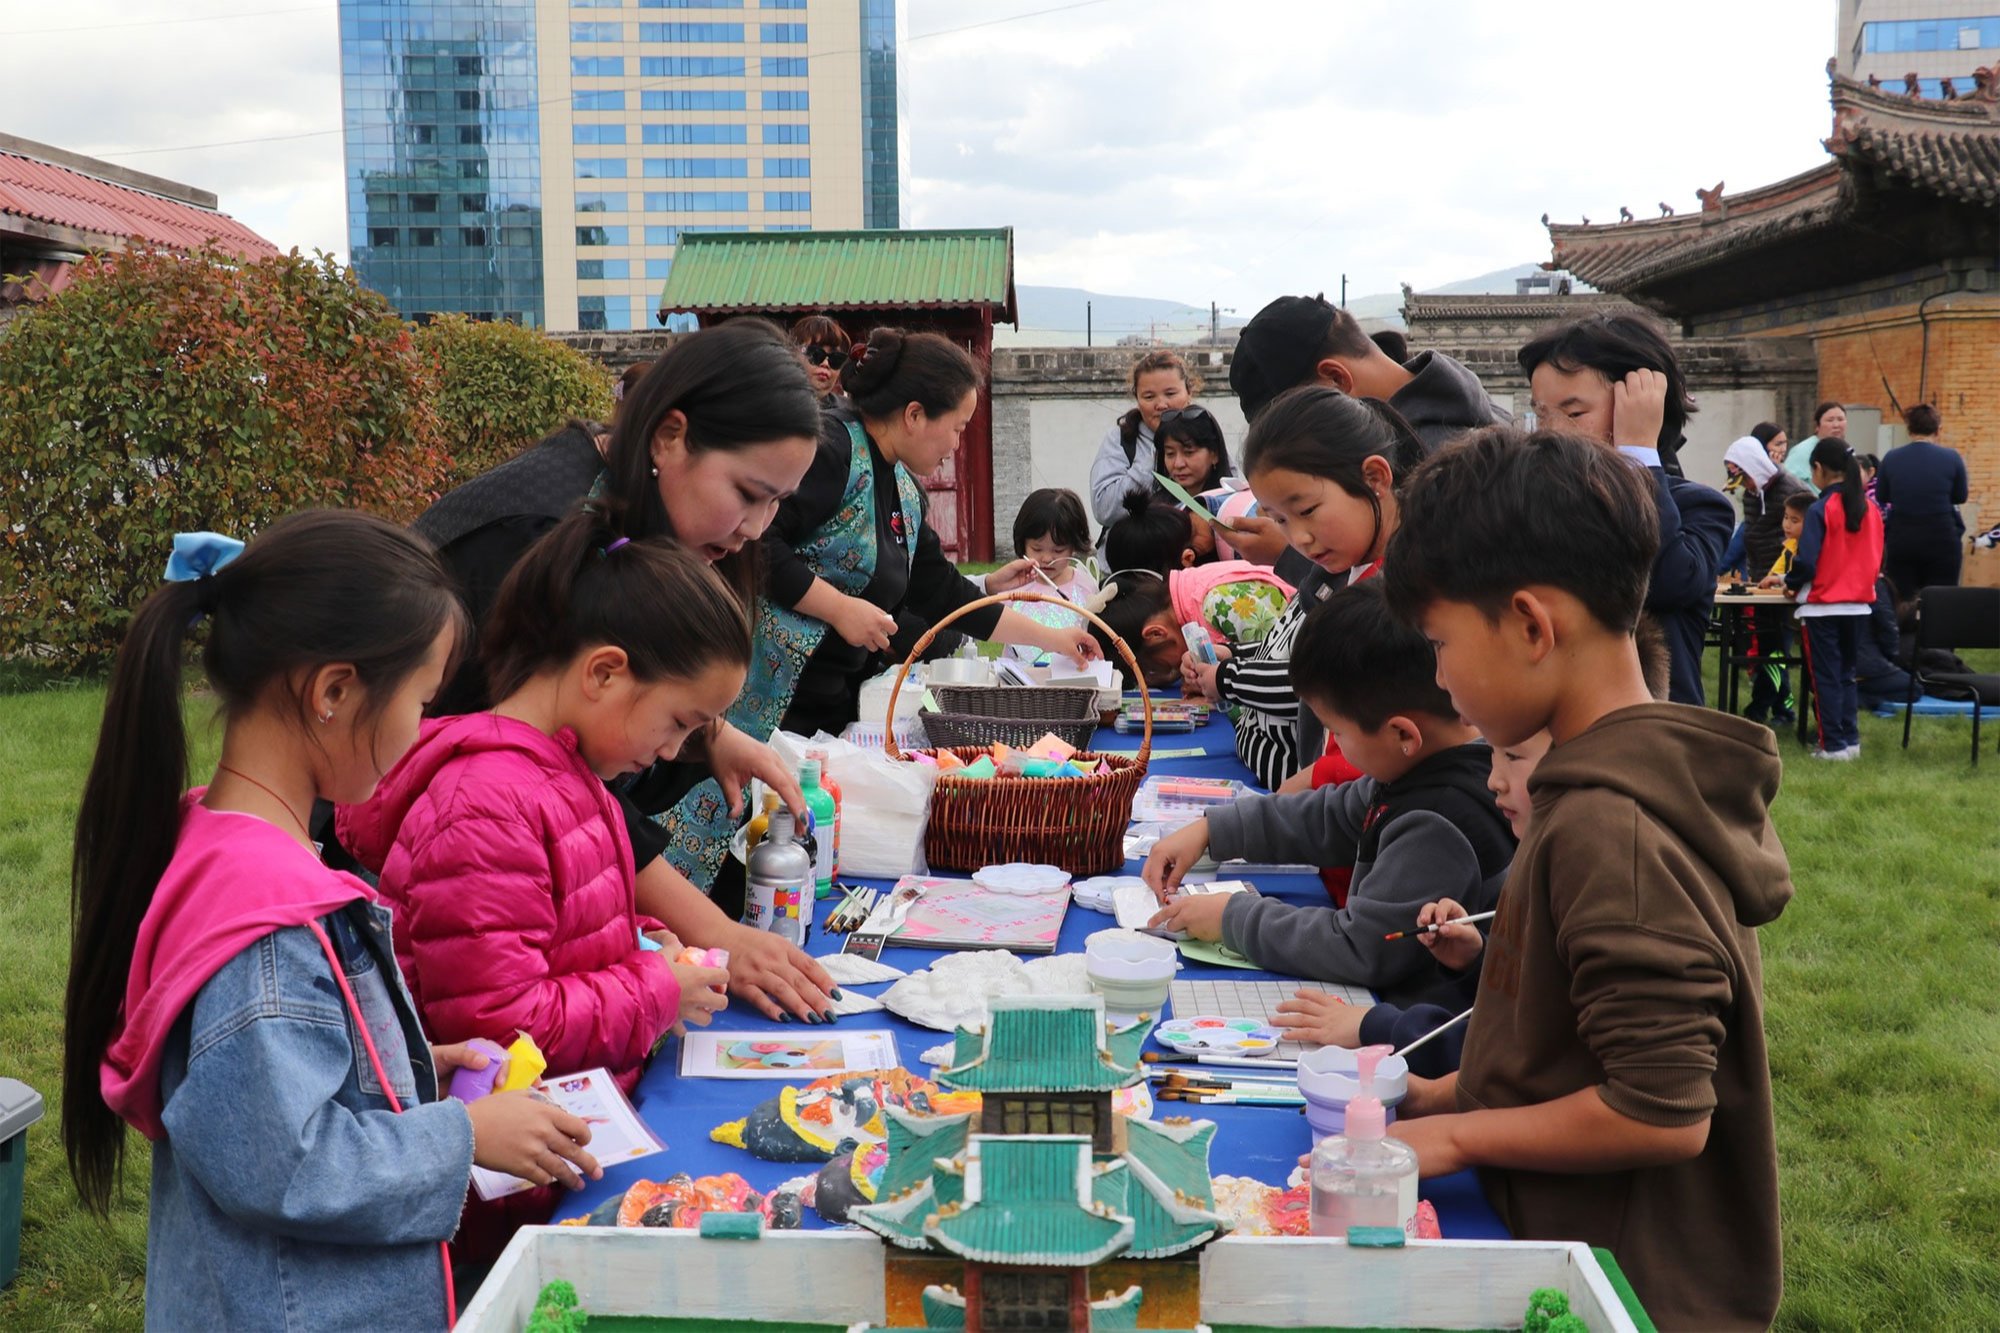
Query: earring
(1406, 752)
(327, 716)
(656, 472)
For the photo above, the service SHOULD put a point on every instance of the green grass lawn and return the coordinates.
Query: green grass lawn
(1882, 984)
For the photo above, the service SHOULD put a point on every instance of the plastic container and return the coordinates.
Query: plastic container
(1132, 972)
(469, 1085)
(753, 832)
(1330, 1078)
(1363, 1178)
(20, 1107)
(826, 827)
(839, 804)
(780, 882)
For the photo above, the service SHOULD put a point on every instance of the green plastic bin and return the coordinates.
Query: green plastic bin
(20, 1107)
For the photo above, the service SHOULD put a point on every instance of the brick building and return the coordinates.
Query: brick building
(1884, 257)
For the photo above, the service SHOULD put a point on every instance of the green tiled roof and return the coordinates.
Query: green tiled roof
(1028, 1202)
(899, 1221)
(943, 1308)
(1170, 1198)
(735, 272)
(1116, 1312)
(914, 1143)
(1042, 1044)
(1125, 1043)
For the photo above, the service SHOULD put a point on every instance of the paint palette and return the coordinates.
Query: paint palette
(1207, 1034)
(1100, 892)
(1022, 879)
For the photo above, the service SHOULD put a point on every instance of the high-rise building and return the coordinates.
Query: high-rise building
(1936, 40)
(537, 160)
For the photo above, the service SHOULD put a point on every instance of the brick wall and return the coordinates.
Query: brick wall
(1960, 373)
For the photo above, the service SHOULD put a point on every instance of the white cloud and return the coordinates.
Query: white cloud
(1174, 148)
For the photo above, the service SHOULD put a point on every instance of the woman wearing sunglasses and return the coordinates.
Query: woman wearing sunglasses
(825, 345)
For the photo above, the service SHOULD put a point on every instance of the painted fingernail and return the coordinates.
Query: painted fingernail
(828, 1015)
(784, 1018)
(835, 993)
(812, 1018)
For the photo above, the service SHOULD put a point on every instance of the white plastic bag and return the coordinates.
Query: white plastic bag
(883, 805)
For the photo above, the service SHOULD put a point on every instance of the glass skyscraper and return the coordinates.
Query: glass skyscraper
(537, 161)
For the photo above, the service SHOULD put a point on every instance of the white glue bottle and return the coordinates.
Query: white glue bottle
(1363, 1178)
(779, 877)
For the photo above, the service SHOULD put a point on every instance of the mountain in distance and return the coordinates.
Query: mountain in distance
(1054, 316)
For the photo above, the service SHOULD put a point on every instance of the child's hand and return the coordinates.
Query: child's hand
(1455, 947)
(1322, 1019)
(1434, 1139)
(1257, 539)
(670, 943)
(1638, 409)
(1071, 641)
(1771, 581)
(1173, 856)
(532, 1138)
(701, 1000)
(776, 977)
(1014, 574)
(1198, 678)
(458, 1055)
(1198, 916)
(863, 624)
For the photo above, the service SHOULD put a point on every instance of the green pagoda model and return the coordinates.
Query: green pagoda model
(1051, 1182)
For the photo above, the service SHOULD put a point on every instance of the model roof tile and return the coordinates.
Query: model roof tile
(1049, 1044)
(1028, 1201)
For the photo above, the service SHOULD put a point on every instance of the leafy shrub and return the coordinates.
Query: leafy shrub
(162, 393)
(501, 387)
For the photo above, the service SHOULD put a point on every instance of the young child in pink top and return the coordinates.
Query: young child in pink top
(1233, 600)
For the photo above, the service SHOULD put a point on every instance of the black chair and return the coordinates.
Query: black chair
(1954, 618)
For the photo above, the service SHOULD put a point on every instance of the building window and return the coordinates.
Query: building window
(472, 134)
(691, 67)
(1946, 34)
(424, 236)
(783, 33)
(1024, 1298)
(597, 67)
(788, 134)
(787, 166)
(658, 269)
(420, 101)
(697, 168)
(472, 203)
(423, 203)
(381, 238)
(472, 236)
(795, 101)
(470, 67)
(784, 67)
(781, 4)
(663, 235)
(603, 99)
(597, 32)
(692, 100)
(472, 168)
(600, 168)
(788, 226)
(690, 32)
(586, 236)
(597, 134)
(616, 270)
(788, 201)
(697, 134)
(517, 236)
(699, 201)
(690, 4)
(594, 201)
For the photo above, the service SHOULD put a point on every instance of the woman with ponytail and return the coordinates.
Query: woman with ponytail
(236, 1001)
(706, 444)
(1324, 468)
(500, 851)
(1834, 575)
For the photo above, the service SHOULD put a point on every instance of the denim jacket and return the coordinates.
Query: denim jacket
(286, 1193)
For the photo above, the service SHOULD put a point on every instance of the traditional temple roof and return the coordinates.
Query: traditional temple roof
(1166, 1190)
(1028, 1201)
(1045, 1043)
(1843, 220)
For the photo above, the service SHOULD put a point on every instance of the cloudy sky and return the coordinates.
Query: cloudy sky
(1191, 149)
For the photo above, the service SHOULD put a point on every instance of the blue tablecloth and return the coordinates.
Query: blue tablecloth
(1256, 1141)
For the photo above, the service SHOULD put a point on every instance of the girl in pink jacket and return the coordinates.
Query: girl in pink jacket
(501, 852)
(1233, 601)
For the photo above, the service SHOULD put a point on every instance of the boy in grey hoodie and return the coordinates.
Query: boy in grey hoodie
(1420, 826)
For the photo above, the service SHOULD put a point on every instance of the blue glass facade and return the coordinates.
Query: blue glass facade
(444, 200)
(885, 141)
(1949, 34)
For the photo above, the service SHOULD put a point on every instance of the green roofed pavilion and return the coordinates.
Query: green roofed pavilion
(724, 273)
(1028, 1201)
(1042, 1043)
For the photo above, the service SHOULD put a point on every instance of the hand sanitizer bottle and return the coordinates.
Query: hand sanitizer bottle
(1363, 1178)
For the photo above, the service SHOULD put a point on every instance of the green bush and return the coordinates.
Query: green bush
(501, 387)
(162, 393)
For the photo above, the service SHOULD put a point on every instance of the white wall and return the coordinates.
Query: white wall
(1064, 433)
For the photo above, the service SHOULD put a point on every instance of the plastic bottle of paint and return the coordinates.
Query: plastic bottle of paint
(826, 829)
(1363, 1178)
(759, 822)
(839, 809)
(779, 879)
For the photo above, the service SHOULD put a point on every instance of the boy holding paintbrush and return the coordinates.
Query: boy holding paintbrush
(1614, 1087)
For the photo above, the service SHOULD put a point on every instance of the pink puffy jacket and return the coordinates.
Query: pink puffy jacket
(509, 871)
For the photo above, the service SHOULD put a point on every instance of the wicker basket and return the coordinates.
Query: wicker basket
(1010, 714)
(1075, 823)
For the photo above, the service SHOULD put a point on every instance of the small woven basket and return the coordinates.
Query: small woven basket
(1075, 823)
(1011, 714)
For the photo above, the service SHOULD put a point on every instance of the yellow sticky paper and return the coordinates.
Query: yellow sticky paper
(525, 1064)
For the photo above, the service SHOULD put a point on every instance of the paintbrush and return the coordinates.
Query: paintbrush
(853, 911)
(1472, 920)
(1230, 1098)
(1439, 1030)
(1209, 1083)
(1233, 1061)
(1174, 1078)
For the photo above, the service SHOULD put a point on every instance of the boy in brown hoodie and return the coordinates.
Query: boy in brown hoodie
(1614, 1087)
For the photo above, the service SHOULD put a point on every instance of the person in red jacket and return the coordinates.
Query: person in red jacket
(1834, 573)
(501, 852)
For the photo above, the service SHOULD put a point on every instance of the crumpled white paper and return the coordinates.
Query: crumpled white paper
(851, 969)
(952, 992)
